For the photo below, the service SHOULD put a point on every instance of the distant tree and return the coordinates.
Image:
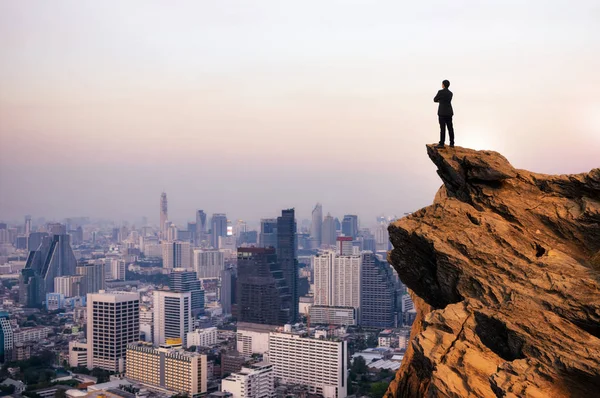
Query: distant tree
(372, 341)
(60, 393)
(359, 366)
(102, 375)
(378, 390)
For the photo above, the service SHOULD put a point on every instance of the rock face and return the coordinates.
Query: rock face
(504, 269)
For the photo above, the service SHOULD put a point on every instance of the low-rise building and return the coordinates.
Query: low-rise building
(254, 381)
(202, 337)
(36, 333)
(78, 353)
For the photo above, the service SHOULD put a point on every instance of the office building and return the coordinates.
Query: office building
(329, 233)
(176, 255)
(93, 279)
(69, 286)
(113, 321)
(378, 293)
(164, 217)
(320, 364)
(202, 337)
(254, 381)
(350, 225)
(200, 228)
(35, 333)
(6, 337)
(208, 263)
(287, 245)
(262, 294)
(227, 290)
(182, 281)
(218, 228)
(78, 354)
(252, 338)
(172, 316)
(35, 239)
(344, 245)
(55, 301)
(331, 315)
(53, 258)
(268, 233)
(337, 280)
(316, 227)
(168, 368)
(118, 269)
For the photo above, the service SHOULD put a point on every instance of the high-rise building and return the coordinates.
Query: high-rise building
(227, 289)
(6, 337)
(27, 225)
(208, 263)
(254, 381)
(182, 281)
(164, 217)
(378, 293)
(382, 238)
(344, 245)
(93, 279)
(337, 280)
(319, 364)
(287, 257)
(54, 257)
(69, 286)
(172, 316)
(268, 232)
(118, 269)
(168, 368)
(262, 294)
(200, 227)
(316, 227)
(35, 240)
(329, 232)
(113, 321)
(176, 255)
(350, 225)
(252, 338)
(218, 228)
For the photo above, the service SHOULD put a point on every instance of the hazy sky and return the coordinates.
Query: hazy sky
(247, 107)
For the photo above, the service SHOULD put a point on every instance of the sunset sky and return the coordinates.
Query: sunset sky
(248, 107)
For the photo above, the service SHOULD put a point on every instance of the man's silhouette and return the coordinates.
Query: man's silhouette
(445, 113)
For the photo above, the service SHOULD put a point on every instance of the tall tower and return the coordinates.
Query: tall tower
(172, 316)
(27, 225)
(329, 233)
(287, 244)
(350, 225)
(316, 227)
(182, 281)
(219, 228)
(163, 215)
(113, 321)
(200, 227)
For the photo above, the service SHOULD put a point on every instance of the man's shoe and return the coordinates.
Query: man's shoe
(439, 146)
(452, 145)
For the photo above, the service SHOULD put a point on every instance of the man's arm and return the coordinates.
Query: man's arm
(437, 96)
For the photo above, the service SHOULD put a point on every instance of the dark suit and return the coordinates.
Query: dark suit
(445, 113)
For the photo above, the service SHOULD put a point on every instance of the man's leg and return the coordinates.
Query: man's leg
(442, 130)
(450, 130)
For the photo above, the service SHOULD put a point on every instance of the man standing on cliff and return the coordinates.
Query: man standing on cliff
(445, 113)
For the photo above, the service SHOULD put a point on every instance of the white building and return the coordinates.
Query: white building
(337, 280)
(37, 333)
(113, 321)
(329, 315)
(68, 286)
(78, 354)
(118, 269)
(6, 333)
(208, 263)
(255, 381)
(202, 337)
(172, 316)
(253, 338)
(319, 364)
(176, 255)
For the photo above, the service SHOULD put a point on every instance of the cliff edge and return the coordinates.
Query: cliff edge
(504, 269)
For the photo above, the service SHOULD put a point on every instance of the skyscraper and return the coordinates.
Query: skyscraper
(208, 263)
(337, 280)
(172, 316)
(27, 225)
(163, 215)
(268, 232)
(262, 294)
(54, 257)
(316, 227)
(329, 233)
(113, 321)
(93, 277)
(6, 337)
(218, 227)
(287, 258)
(35, 240)
(378, 293)
(228, 285)
(176, 255)
(350, 225)
(200, 227)
(182, 281)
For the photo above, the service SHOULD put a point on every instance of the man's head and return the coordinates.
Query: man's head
(445, 84)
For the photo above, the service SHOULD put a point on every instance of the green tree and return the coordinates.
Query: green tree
(359, 366)
(378, 390)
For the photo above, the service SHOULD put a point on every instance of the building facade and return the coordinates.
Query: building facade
(202, 337)
(208, 263)
(172, 316)
(113, 321)
(379, 292)
(287, 244)
(254, 381)
(176, 254)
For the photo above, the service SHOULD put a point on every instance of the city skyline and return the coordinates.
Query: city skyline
(103, 106)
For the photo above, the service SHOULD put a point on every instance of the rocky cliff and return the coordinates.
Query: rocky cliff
(504, 268)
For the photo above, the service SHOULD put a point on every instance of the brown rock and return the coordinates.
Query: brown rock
(504, 268)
